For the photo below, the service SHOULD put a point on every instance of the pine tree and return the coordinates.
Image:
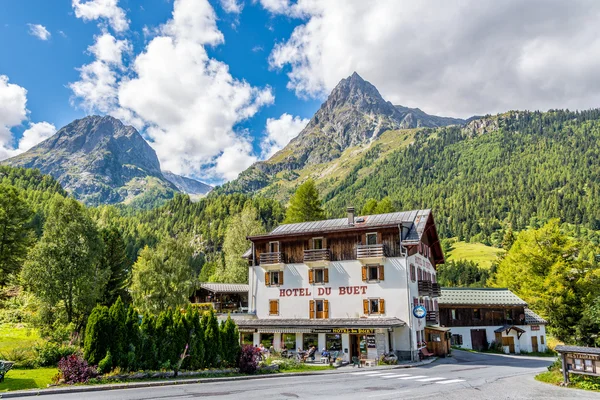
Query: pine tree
(118, 320)
(132, 341)
(230, 342)
(305, 205)
(115, 260)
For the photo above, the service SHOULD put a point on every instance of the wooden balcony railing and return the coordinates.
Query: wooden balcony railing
(271, 258)
(370, 251)
(436, 289)
(316, 255)
(432, 316)
(425, 288)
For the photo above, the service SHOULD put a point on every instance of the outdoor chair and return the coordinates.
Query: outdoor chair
(355, 362)
(424, 353)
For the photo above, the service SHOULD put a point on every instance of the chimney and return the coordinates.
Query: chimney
(350, 215)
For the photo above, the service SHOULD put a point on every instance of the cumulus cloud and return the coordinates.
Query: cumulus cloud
(36, 133)
(39, 31)
(105, 10)
(232, 6)
(448, 58)
(188, 101)
(279, 132)
(13, 112)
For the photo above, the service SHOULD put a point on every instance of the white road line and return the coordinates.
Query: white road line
(365, 373)
(384, 375)
(414, 377)
(451, 381)
(430, 379)
(392, 376)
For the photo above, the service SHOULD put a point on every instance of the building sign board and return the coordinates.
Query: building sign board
(419, 311)
(323, 291)
(360, 331)
(535, 327)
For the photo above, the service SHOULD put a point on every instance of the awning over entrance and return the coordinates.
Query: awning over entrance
(337, 325)
(508, 328)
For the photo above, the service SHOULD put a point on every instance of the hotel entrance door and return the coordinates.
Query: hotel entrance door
(358, 345)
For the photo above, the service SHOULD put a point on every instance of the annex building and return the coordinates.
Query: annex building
(361, 286)
(478, 317)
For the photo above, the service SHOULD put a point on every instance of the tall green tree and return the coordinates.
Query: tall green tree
(163, 277)
(212, 339)
(15, 231)
(64, 267)
(230, 342)
(241, 225)
(305, 204)
(98, 335)
(115, 260)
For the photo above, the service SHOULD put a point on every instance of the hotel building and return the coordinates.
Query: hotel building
(352, 285)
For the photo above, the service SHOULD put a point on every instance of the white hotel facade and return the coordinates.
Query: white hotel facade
(348, 285)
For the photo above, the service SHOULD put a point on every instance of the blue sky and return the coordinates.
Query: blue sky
(215, 85)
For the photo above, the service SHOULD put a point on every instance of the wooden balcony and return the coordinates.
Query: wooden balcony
(273, 260)
(436, 289)
(371, 253)
(432, 316)
(317, 258)
(425, 288)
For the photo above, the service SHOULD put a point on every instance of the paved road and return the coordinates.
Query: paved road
(464, 376)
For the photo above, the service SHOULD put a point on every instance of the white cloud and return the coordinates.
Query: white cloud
(39, 31)
(279, 133)
(232, 6)
(189, 102)
(448, 58)
(13, 112)
(108, 10)
(36, 133)
(97, 87)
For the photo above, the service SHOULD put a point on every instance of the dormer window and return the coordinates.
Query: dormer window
(371, 238)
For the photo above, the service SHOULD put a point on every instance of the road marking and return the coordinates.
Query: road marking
(414, 377)
(365, 373)
(384, 375)
(430, 379)
(451, 381)
(393, 376)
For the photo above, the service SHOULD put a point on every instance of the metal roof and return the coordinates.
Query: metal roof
(225, 287)
(532, 318)
(577, 349)
(417, 219)
(321, 323)
(479, 296)
(507, 328)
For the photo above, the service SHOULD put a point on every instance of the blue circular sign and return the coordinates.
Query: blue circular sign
(420, 311)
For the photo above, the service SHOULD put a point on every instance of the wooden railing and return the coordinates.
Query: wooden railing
(370, 251)
(316, 255)
(432, 316)
(425, 288)
(271, 258)
(436, 289)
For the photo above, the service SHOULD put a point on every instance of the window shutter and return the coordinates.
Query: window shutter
(311, 309)
(326, 308)
(276, 307)
(366, 306)
(280, 277)
(381, 274)
(311, 276)
(412, 272)
(273, 307)
(381, 306)
(326, 275)
(267, 279)
(364, 273)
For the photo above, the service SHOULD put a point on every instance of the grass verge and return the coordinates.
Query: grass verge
(584, 382)
(21, 379)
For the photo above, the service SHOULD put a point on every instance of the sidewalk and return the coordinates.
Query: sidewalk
(133, 385)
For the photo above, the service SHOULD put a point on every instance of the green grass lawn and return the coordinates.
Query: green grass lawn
(307, 368)
(555, 377)
(13, 337)
(477, 252)
(19, 379)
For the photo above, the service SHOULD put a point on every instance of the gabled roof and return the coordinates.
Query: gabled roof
(479, 296)
(225, 287)
(532, 318)
(415, 220)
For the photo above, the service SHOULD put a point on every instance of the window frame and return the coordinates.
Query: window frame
(413, 273)
(476, 313)
(367, 235)
(322, 239)
(315, 274)
(325, 309)
(371, 302)
(273, 274)
(271, 248)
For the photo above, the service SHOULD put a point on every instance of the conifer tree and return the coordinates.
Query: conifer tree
(230, 342)
(118, 320)
(305, 204)
(212, 340)
(98, 335)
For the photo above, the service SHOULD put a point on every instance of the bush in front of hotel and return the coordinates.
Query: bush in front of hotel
(249, 359)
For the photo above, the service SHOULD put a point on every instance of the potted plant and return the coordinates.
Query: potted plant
(338, 362)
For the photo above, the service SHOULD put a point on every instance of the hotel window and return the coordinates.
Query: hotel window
(317, 243)
(372, 273)
(289, 340)
(273, 307)
(412, 272)
(371, 238)
(374, 306)
(333, 342)
(420, 274)
(319, 309)
(273, 247)
(274, 278)
(542, 339)
(318, 275)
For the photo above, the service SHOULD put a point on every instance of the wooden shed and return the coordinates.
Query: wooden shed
(438, 340)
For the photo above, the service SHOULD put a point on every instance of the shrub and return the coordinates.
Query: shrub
(249, 357)
(74, 369)
(23, 358)
(105, 365)
(230, 342)
(287, 363)
(98, 335)
(49, 354)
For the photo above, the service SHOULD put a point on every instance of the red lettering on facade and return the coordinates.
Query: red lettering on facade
(364, 289)
(295, 292)
(302, 292)
(320, 291)
(356, 290)
(342, 290)
(281, 292)
(328, 291)
(288, 292)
